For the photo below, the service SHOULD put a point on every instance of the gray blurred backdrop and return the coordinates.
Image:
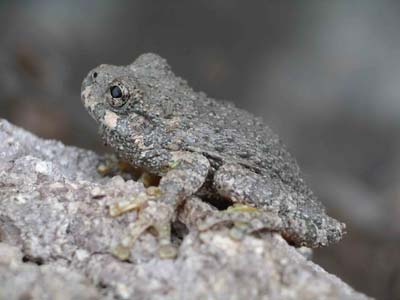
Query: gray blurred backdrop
(325, 75)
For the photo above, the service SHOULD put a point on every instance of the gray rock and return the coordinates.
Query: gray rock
(19, 280)
(56, 234)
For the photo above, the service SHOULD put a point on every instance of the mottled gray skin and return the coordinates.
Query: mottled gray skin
(205, 147)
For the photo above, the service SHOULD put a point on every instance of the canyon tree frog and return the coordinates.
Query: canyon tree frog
(204, 147)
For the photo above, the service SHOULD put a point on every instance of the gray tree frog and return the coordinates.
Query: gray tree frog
(203, 147)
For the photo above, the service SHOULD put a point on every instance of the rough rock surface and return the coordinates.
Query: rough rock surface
(56, 234)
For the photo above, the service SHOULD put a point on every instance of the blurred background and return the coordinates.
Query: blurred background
(324, 75)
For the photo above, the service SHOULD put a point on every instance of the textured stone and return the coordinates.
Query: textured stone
(56, 234)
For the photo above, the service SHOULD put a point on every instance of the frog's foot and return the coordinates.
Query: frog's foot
(157, 207)
(245, 220)
(135, 203)
(152, 214)
(110, 165)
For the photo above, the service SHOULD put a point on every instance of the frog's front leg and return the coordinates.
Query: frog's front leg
(157, 208)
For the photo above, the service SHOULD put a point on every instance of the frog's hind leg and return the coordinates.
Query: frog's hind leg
(299, 218)
(256, 201)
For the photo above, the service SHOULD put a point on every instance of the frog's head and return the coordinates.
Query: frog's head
(128, 103)
(113, 93)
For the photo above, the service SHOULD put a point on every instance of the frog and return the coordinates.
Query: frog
(199, 147)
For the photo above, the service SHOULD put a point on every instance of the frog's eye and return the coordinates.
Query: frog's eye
(116, 91)
(119, 94)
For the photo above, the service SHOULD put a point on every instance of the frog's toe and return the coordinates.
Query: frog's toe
(157, 216)
(168, 251)
(243, 220)
(166, 248)
(238, 215)
(121, 252)
(108, 165)
(135, 203)
(123, 248)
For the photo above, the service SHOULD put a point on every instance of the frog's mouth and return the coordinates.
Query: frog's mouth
(88, 101)
(110, 119)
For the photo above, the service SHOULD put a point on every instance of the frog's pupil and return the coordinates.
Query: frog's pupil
(116, 91)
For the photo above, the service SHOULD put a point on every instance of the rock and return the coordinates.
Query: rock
(24, 279)
(56, 235)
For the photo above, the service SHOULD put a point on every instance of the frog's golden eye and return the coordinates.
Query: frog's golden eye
(119, 94)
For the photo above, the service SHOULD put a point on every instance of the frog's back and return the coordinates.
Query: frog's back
(234, 135)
